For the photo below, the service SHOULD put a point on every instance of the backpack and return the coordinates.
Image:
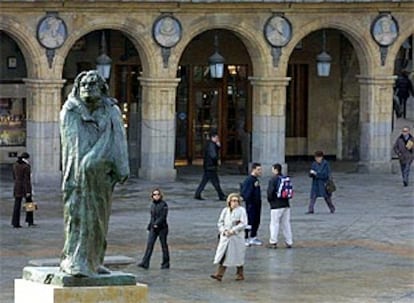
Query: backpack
(285, 190)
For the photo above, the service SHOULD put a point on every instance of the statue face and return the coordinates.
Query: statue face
(90, 89)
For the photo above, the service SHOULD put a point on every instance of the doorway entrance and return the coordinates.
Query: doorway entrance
(204, 105)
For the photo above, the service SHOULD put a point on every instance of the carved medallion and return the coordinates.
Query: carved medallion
(384, 30)
(167, 31)
(52, 32)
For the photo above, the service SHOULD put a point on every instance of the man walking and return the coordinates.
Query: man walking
(250, 191)
(404, 148)
(210, 165)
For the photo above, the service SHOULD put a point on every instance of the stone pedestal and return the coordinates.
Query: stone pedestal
(33, 292)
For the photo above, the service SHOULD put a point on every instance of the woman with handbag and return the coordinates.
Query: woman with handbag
(320, 173)
(231, 248)
(22, 189)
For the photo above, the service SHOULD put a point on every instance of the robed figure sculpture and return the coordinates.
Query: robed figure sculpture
(94, 159)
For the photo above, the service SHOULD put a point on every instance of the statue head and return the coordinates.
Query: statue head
(89, 86)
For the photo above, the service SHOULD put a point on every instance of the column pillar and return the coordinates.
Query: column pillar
(376, 123)
(269, 121)
(158, 128)
(43, 140)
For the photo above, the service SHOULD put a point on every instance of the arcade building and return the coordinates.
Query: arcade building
(277, 79)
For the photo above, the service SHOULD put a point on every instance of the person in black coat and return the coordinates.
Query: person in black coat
(251, 193)
(210, 165)
(157, 227)
(404, 88)
(22, 189)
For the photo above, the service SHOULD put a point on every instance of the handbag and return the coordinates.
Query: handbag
(330, 186)
(30, 206)
(409, 145)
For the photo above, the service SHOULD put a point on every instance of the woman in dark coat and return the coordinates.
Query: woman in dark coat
(320, 173)
(22, 188)
(157, 227)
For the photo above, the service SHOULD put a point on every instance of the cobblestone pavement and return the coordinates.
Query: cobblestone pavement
(362, 253)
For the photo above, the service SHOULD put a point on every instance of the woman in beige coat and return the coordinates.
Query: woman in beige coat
(231, 249)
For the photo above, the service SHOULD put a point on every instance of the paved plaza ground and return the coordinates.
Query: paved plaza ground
(362, 253)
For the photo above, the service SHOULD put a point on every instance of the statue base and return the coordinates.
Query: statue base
(53, 276)
(28, 291)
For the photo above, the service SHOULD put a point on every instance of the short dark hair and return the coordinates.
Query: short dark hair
(213, 133)
(277, 166)
(256, 165)
(319, 153)
(24, 155)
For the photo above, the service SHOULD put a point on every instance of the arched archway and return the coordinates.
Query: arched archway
(13, 101)
(322, 112)
(205, 104)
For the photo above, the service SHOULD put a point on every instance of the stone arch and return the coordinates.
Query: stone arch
(255, 44)
(27, 43)
(364, 50)
(129, 29)
(406, 30)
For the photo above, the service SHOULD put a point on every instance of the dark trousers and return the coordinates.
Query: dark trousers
(210, 175)
(405, 171)
(253, 218)
(16, 212)
(328, 201)
(152, 237)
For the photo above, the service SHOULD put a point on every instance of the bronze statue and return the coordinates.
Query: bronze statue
(94, 159)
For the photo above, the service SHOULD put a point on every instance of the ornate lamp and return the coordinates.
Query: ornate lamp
(323, 60)
(103, 62)
(216, 62)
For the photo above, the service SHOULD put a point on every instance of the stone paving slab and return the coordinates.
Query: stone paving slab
(362, 253)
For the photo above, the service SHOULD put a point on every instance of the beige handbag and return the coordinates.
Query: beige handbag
(30, 206)
(409, 145)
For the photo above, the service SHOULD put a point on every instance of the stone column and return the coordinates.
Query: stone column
(43, 140)
(158, 128)
(375, 123)
(269, 121)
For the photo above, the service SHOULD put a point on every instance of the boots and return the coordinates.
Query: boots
(239, 274)
(219, 273)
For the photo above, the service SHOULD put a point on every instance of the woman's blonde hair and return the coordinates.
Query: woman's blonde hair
(233, 195)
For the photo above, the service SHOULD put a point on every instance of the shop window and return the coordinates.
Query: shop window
(12, 122)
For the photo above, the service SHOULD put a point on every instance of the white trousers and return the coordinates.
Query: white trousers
(280, 216)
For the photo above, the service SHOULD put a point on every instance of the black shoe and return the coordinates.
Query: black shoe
(142, 265)
(223, 198)
(272, 246)
(17, 226)
(198, 198)
(309, 212)
(288, 245)
(166, 266)
(32, 225)
(405, 183)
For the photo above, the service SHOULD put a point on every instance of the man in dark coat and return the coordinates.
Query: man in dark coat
(22, 188)
(251, 193)
(210, 165)
(404, 148)
(404, 88)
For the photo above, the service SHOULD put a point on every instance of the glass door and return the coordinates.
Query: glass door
(206, 117)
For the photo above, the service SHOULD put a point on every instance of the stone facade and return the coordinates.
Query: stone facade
(365, 96)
